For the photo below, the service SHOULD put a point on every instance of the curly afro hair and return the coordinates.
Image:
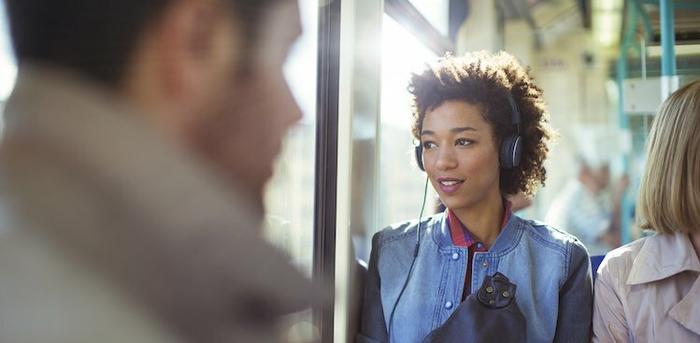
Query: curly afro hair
(484, 79)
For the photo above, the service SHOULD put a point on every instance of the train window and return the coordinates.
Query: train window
(8, 66)
(289, 198)
(436, 12)
(401, 182)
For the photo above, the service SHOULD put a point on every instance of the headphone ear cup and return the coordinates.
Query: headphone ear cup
(517, 151)
(511, 152)
(419, 157)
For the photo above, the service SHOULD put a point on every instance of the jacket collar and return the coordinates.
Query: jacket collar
(141, 209)
(506, 240)
(687, 312)
(663, 256)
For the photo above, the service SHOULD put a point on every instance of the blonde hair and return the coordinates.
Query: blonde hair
(669, 194)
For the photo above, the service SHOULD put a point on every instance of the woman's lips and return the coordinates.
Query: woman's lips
(449, 185)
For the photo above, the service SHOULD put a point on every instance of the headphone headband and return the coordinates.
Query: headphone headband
(514, 113)
(511, 147)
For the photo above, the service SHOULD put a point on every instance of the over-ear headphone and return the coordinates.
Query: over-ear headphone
(511, 147)
(419, 156)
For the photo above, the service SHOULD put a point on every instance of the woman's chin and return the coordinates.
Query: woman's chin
(454, 204)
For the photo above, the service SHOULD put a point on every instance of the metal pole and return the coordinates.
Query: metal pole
(325, 193)
(623, 122)
(643, 56)
(669, 80)
(625, 221)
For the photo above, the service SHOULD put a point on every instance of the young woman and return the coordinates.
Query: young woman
(483, 135)
(649, 290)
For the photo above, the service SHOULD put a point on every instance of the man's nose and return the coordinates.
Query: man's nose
(292, 112)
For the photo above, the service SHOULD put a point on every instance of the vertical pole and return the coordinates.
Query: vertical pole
(625, 222)
(643, 56)
(623, 122)
(669, 80)
(325, 194)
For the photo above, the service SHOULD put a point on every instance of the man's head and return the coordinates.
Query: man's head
(206, 72)
(596, 147)
(595, 177)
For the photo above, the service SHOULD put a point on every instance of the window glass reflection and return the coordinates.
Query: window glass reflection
(400, 181)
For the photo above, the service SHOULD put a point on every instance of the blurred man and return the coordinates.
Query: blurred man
(589, 210)
(138, 140)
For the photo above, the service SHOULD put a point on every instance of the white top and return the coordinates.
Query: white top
(583, 214)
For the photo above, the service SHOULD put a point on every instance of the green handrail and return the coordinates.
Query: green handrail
(628, 40)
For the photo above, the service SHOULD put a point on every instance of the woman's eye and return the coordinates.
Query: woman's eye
(463, 141)
(428, 145)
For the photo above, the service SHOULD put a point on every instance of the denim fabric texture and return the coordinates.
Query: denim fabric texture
(550, 268)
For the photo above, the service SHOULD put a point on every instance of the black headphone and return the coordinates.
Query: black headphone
(511, 147)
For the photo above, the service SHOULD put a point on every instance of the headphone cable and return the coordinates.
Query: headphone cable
(413, 262)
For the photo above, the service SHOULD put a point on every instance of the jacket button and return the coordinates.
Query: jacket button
(448, 305)
(485, 264)
(455, 256)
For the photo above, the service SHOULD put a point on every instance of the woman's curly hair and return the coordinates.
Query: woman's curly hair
(484, 79)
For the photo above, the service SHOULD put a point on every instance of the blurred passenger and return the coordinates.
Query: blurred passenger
(649, 290)
(483, 134)
(587, 207)
(138, 140)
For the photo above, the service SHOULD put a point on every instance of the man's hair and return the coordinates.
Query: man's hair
(485, 80)
(98, 38)
(669, 193)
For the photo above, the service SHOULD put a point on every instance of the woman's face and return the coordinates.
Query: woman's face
(460, 154)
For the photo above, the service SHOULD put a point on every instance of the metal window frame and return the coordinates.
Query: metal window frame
(408, 16)
(327, 156)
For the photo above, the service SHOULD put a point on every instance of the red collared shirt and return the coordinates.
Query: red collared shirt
(462, 238)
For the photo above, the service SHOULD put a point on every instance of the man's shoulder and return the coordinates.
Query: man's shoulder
(53, 297)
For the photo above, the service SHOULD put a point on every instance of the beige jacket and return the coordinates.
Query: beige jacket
(111, 233)
(649, 291)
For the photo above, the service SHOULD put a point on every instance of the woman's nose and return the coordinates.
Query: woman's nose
(446, 159)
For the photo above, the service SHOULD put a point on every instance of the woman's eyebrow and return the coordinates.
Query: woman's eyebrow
(453, 130)
(462, 129)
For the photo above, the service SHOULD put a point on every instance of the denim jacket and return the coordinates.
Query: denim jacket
(550, 268)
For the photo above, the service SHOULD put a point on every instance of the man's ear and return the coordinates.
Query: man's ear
(187, 36)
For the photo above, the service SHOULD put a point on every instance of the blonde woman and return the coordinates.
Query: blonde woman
(648, 290)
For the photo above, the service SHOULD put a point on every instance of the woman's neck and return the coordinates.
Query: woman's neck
(484, 219)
